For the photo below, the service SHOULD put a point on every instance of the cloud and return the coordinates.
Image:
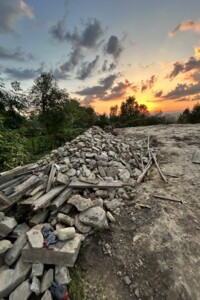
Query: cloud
(74, 58)
(16, 54)
(158, 94)
(87, 69)
(108, 67)
(148, 84)
(197, 52)
(21, 74)
(118, 91)
(10, 12)
(89, 37)
(113, 47)
(183, 90)
(185, 26)
(193, 77)
(191, 64)
(99, 90)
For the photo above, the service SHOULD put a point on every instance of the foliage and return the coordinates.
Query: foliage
(192, 116)
(12, 149)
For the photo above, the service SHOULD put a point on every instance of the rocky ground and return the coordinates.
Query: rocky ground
(152, 251)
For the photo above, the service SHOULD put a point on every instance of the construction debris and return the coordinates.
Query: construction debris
(78, 188)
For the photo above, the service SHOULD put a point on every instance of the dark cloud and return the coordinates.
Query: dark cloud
(158, 94)
(148, 84)
(113, 46)
(89, 37)
(183, 90)
(21, 74)
(118, 91)
(10, 12)
(183, 67)
(108, 67)
(99, 90)
(87, 69)
(74, 58)
(185, 26)
(193, 76)
(16, 54)
(58, 31)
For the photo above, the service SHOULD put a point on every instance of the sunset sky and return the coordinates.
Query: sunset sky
(103, 51)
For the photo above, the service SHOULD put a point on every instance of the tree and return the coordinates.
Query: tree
(49, 100)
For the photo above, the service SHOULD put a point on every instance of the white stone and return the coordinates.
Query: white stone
(65, 233)
(4, 246)
(95, 217)
(35, 238)
(62, 275)
(80, 203)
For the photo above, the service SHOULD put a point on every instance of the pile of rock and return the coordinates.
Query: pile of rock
(76, 189)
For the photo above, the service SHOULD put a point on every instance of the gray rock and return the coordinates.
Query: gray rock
(37, 269)
(4, 246)
(11, 278)
(102, 171)
(124, 175)
(22, 291)
(95, 217)
(47, 296)
(101, 193)
(85, 171)
(20, 229)
(110, 217)
(62, 275)
(35, 238)
(102, 163)
(47, 280)
(127, 280)
(7, 224)
(64, 234)
(80, 203)
(15, 251)
(112, 171)
(112, 205)
(98, 202)
(71, 172)
(2, 216)
(82, 228)
(36, 286)
(64, 219)
(137, 172)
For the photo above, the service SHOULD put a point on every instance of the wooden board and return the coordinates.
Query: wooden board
(101, 185)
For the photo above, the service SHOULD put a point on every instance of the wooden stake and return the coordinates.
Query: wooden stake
(167, 198)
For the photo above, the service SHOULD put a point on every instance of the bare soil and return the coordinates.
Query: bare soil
(158, 247)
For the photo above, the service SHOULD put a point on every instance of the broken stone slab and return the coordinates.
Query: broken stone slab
(65, 253)
(62, 275)
(35, 286)
(15, 251)
(82, 228)
(4, 246)
(22, 291)
(20, 229)
(7, 224)
(47, 280)
(38, 218)
(37, 269)
(64, 219)
(196, 157)
(62, 179)
(95, 217)
(80, 203)
(35, 238)
(11, 278)
(64, 234)
(47, 296)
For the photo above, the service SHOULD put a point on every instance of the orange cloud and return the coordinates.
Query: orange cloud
(185, 26)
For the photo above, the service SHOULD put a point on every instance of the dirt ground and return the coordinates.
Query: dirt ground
(158, 248)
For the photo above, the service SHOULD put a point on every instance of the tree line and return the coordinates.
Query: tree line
(33, 123)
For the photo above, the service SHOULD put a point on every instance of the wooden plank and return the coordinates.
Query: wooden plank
(25, 184)
(140, 178)
(9, 175)
(167, 198)
(51, 176)
(58, 201)
(18, 195)
(157, 166)
(11, 182)
(101, 185)
(44, 200)
(196, 157)
(4, 199)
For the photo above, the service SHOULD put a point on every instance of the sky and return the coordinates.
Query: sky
(104, 51)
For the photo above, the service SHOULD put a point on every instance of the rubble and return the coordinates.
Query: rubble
(74, 189)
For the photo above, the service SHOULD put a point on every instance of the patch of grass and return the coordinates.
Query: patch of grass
(76, 288)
